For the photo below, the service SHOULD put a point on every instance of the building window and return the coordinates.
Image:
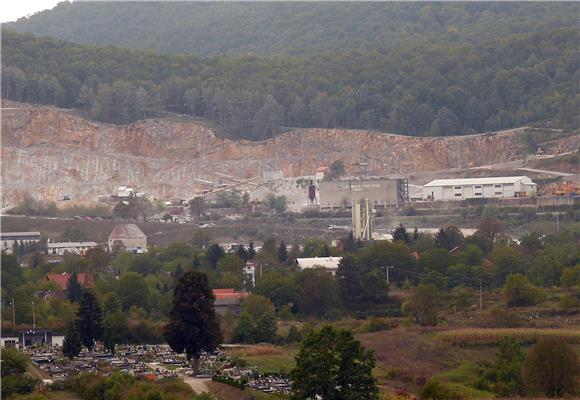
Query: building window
(498, 193)
(457, 194)
(497, 186)
(457, 187)
(477, 187)
(477, 194)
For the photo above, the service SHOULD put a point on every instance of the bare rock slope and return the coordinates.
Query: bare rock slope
(50, 152)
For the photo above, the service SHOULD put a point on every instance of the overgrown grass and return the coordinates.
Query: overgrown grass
(61, 395)
(482, 336)
(268, 358)
(461, 380)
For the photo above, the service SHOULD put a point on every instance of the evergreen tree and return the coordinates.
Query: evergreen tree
(251, 251)
(112, 304)
(193, 326)
(178, 272)
(245, 329)
(282, 252)
(449, 238)
(349, 244)
(349, 276)
(214, 253)
(71, 345)
(74, 289)
(332, 365)
(242, 253)
(266, 328)
(90, 319)
(400, 233)
(325, 251)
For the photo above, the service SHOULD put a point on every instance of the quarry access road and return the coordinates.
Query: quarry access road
(543, 171)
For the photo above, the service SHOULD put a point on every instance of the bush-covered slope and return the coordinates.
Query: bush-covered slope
(289, 27)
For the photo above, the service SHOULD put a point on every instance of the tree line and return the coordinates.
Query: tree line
(287, 28)
(420, 88)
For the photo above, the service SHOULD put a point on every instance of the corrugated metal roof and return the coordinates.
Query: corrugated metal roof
(8, 235)
(71, 244)
(478, 181)
(325, 262)
(126, 231)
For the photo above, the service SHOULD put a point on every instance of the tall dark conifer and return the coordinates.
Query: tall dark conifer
(74, 290)
(282, 252)
(71, 345)
(193, 326)
(90, 319)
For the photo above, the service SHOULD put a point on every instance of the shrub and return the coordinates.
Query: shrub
(519, 292)
(377, 324)
(229, 381)
(435, 390)
(294, 335)
(552, 368)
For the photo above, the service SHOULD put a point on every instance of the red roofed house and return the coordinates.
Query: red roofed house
(86, 280)
(228, 299)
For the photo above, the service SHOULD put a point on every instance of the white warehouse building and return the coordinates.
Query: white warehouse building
(478, 188)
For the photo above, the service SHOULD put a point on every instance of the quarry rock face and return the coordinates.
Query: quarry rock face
(50, 153)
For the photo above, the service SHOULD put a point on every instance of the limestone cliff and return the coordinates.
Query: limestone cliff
(49, 153)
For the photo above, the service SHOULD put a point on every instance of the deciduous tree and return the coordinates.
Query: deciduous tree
(552, 368)
(332, 365)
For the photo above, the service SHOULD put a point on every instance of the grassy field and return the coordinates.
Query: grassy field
(491, 336)
(60, 395)
(460, 378)
(268, 358)
(159, 233)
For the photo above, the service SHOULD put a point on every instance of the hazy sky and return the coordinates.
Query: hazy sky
(11, 10)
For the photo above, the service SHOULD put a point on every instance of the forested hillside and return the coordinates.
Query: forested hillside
(289, 27)
(419, 89)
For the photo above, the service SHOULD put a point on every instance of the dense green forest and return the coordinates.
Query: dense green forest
(417, 89)
(289, 27)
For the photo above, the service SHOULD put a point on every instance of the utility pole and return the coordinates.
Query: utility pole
(33, 316)
(480, 296)
(387, 268)
(13, 312)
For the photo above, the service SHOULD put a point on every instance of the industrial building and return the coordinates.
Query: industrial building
(130, 237)
(381, 192)
(479, 188)
(7, 239)
(328, 263)
(59, 248)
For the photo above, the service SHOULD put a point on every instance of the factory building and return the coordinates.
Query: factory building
(381, 192)
(480, 188)
(9, 239)
(60, 248)
(328, 263)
